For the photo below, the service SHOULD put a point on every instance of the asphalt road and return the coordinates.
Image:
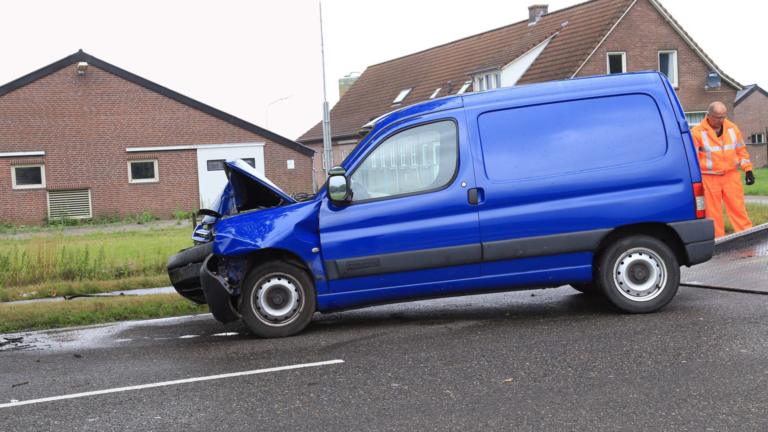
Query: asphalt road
(536, 360)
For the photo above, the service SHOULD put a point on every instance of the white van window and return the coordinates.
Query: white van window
(572, 136)
(438, 139)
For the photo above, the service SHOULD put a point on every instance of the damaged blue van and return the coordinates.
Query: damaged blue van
(591, 182)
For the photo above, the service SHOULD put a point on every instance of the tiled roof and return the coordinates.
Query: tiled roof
(425, 71)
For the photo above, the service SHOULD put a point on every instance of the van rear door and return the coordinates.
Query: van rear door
(557, 175)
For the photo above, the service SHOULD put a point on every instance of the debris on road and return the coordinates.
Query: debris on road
(20, 384)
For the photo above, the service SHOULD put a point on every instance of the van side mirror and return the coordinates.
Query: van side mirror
(338, 186)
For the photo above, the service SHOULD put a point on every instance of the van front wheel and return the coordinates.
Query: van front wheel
(638, 274)
(278, 300)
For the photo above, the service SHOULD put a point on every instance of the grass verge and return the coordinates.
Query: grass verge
(758, 214)
(69, 313)
(46, 264)
(57, 289)
(761, 182)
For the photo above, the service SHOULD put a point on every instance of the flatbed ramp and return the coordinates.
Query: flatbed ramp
(740, 264)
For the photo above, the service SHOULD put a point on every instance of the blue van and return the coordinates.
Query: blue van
(591, 182)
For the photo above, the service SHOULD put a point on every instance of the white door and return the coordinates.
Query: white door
(210, 167)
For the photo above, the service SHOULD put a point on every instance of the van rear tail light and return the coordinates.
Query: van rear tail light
(698, 193)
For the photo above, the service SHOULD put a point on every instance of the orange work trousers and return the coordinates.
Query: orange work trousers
(726, 188)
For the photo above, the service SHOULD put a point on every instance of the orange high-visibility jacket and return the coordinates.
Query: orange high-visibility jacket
(720, 155)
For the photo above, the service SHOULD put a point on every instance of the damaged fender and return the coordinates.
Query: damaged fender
(293, 228)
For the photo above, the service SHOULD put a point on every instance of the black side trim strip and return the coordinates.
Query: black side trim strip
(403, 261)
(582, 241)
(122, 73)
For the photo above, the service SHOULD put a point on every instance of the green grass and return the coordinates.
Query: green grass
(761, 183)
(68, 313)
(758, 214)
(41, 263)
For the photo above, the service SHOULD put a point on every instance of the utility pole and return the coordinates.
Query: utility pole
(327, 150)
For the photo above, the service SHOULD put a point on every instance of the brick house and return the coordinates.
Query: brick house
(597, 37)
(751, 110)
(85, 138)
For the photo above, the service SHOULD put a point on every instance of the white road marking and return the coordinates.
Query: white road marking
(188, 336)
(226, 334)
(169, 383)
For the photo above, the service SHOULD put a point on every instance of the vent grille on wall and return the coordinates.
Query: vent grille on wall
(75, 204)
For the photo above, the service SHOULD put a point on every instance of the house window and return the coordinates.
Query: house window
(383, 160)
(218, 164)
(28, 176)
(480, 84)
(498, 80)
(142, 171)
(401, 96)
(668, 65)
(373, 162)
(414, 156)
(617, 62)
(464, 87)
(758, 138)
(402, 156)
(437, 92)
(695, 117)
(392, 158)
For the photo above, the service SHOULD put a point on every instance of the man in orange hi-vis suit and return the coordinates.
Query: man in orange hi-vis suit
(721, 151)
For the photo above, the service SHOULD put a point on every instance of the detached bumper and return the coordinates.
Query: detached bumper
(218, 294)
(184, 271)
(698, 237)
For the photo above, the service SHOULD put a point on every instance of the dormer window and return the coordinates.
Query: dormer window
(464, 87)
(401, 96)
(487, 81)
(437, 92)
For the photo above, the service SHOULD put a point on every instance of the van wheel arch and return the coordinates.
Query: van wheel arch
(274, 254)
(660, 231)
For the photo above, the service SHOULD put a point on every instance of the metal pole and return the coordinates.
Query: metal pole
(326, 114)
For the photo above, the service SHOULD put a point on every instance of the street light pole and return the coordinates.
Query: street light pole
(266, 113)
(327, 150)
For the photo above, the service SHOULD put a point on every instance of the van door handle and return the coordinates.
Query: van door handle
(472, 196)
(476, 196)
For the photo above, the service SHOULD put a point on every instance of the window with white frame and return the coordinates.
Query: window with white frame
(401, 96)
(414, 156)
(402, 157)
(437, 92)
(383, 160)
(695, 117)
(142, 171)
(28, 176)
(617, 62)
(758, 138)
(392, 158)
(464, 87)
(668, 65)
(325, 161)
(487, 81)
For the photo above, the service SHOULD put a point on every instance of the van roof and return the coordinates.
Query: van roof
(527, 91)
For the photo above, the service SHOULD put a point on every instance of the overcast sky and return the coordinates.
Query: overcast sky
(239, 56)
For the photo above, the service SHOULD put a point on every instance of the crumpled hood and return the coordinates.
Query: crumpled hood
(247, 189)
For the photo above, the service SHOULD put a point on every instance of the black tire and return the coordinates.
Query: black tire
(589, 288)
(638, 274)
(268, 316)
(195, 254)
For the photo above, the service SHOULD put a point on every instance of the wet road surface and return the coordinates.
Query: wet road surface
(535, 360)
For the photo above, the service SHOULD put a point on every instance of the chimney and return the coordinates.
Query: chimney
(346, 82)
(535, 12)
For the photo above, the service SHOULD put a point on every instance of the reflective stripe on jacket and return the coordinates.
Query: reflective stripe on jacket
(719, 155)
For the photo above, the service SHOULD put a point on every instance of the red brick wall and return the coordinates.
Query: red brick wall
(84, 123)
(642, 34)
(752, 113)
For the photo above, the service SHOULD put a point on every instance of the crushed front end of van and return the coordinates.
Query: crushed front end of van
(212, 271)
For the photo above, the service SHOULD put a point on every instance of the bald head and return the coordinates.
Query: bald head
(716, 115)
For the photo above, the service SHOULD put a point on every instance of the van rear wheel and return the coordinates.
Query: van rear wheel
(278, 299)
(638, 274)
